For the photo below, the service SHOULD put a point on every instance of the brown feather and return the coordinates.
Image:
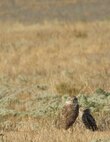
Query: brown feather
(69, 114)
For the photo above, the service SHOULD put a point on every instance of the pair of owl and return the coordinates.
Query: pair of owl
(70, 113)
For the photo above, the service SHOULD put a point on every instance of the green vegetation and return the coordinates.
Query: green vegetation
(27, 103)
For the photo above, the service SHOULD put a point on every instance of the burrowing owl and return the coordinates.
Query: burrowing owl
(69, 113)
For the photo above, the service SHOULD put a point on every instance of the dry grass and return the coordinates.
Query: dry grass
(59, 54)
(48, 132)
(55, 136)
(49, 55)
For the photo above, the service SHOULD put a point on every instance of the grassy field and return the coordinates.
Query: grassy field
(41, 64)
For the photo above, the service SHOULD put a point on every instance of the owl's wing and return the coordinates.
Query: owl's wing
(67, 110)
(89, 121)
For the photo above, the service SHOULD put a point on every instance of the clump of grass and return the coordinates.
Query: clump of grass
(101, 140)
(80, 34)
(67, 88)
(98, 100)
(100, 91)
